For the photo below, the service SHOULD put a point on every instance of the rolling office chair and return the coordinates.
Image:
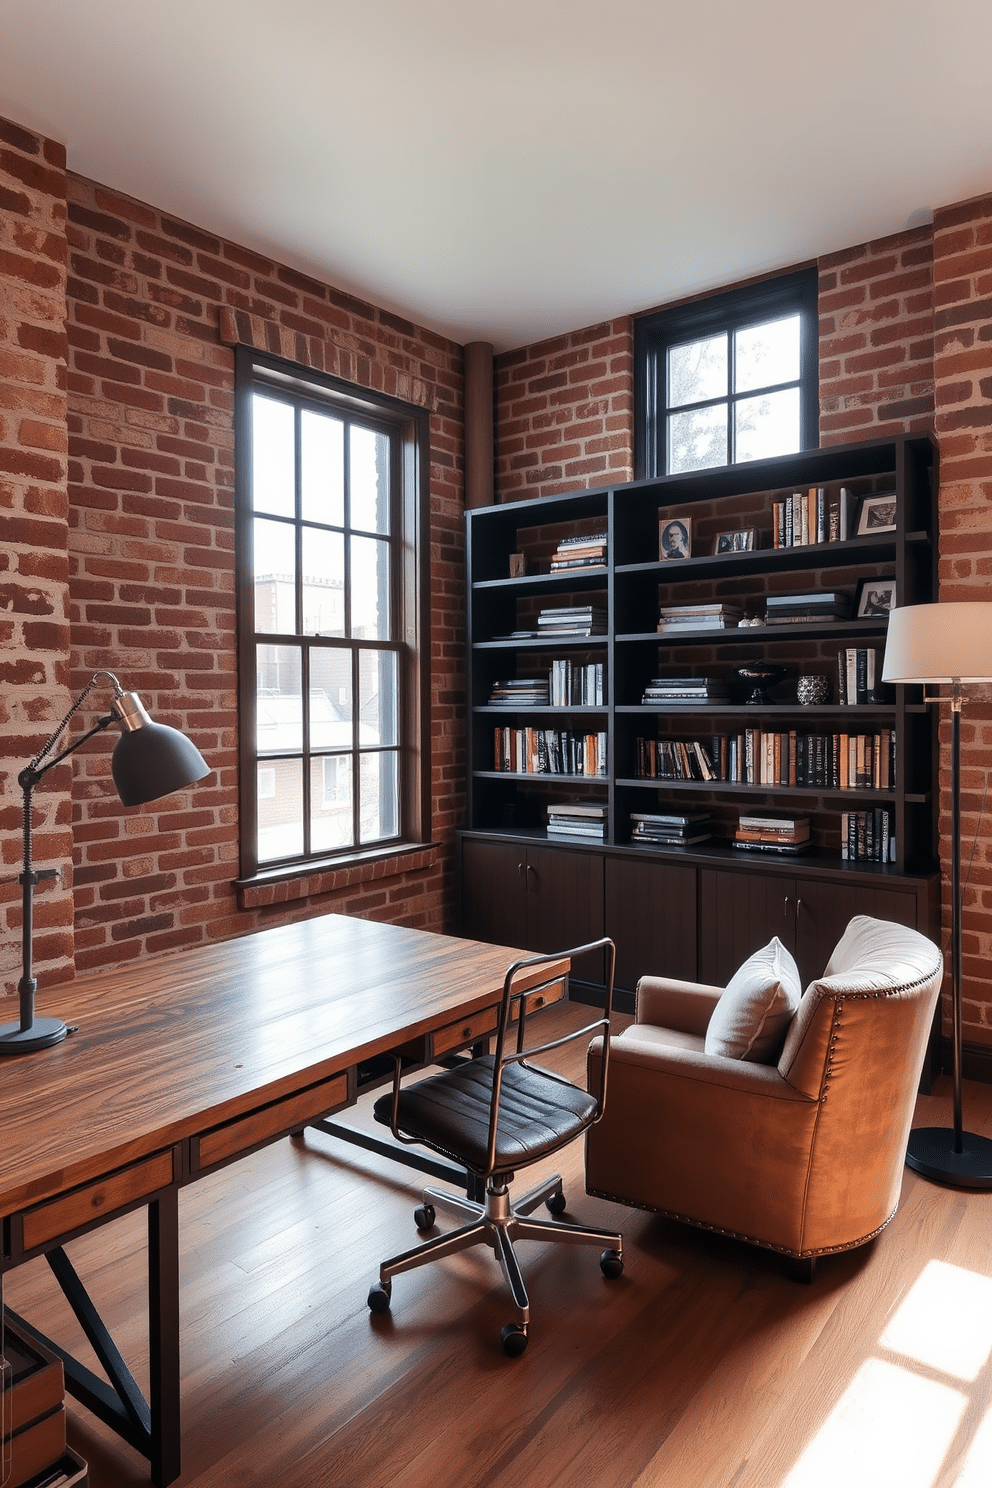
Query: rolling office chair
(494, 1115)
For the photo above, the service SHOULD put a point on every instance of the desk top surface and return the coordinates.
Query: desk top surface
(171, 1045)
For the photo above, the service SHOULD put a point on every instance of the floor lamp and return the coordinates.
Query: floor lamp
(949, 643)
(149, 760)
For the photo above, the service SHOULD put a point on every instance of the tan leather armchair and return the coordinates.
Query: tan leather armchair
(803, 1156)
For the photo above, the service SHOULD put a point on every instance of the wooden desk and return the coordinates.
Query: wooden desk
(182, 1063)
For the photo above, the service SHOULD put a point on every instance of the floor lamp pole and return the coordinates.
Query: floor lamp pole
(954, 1157)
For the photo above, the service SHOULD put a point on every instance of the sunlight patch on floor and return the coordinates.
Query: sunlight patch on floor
(945, 1321)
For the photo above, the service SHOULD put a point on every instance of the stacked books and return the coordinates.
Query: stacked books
(813, 516)
(579, 552)
(867, 836)
(859, 675)
(575, 819)
(577, 685)
(782, 834)
(682, 692)
(673, 759)
(533, 751)
(699, 617)
(672, 829)
(577, 620)
(521, 692)
(791, 609)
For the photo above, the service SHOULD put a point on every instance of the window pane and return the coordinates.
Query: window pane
(379, 796)
(766, 354)
(322, 468)
(331, 815)
(697, 440)
(697, 371)
(768, 425)
(330, 700)
(280, 811)
(369, 480)
(279, 698)
(378, 696)
(275, 578)
(273, 457)
(369, 589)
(323, 582)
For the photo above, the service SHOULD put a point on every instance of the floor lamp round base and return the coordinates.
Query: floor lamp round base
(43, 1033)
(931, 1152)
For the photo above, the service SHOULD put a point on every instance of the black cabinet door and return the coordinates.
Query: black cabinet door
(494, 892)
(565, 904)
(823, 910)
(739, 912)
(651, 918)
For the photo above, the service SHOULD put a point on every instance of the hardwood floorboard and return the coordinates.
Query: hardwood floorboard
(704, 1366)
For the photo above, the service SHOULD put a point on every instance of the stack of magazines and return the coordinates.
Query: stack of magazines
(680, 692)
(714, 616)
(792, 609)
(575, 819)
(572, 620)
(671, 829)
(781, 834)
(579, 552)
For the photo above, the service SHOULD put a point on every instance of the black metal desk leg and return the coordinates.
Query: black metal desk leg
(163, 1337)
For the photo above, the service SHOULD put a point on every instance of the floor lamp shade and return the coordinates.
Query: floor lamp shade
(946, 643)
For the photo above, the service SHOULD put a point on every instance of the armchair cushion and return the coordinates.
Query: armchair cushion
(751, 1018)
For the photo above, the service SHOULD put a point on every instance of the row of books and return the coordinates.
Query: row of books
(577, 684)
(784, 834)
(867, 836)
(672, 829)
(675, 618)
(793, 609)
(576, 819)
(841, 761)
(533, 751)
(859, 676)
(682, 692)
(579, 552)
(813, 516)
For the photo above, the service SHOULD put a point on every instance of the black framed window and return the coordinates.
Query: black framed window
(331, 605)
(731, 378)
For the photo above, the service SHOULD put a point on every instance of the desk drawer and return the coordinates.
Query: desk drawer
(97, 1200)
(467, 1030)
(271, 1121)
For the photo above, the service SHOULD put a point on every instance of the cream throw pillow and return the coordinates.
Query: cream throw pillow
(759, 1003)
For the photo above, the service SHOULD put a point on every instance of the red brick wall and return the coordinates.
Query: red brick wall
(565, 412)
(34, 627)
(962, 238)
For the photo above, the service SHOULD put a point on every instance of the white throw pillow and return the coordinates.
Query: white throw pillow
(757, 1006)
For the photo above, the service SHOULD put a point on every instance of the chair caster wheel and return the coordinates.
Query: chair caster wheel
(379, 1295)
(611, 1264)
(424, 1216)
(556, 1203)
(514, 1339)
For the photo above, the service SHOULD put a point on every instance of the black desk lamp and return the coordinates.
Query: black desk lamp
(949, 643)
(149, 760)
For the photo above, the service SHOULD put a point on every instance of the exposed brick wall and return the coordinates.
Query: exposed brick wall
(565, 412)
(34, 626)
(876, 338)
(962, 239)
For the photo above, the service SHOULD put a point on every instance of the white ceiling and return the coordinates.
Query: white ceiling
(505, 171)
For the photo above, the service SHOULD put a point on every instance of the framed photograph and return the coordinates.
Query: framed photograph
(675, 537)
(743, 541)
(875, 597)
(877, 514)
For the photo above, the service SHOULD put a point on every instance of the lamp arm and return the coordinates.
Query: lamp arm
(31, 774)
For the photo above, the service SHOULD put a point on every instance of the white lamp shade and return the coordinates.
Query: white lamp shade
(939, 643)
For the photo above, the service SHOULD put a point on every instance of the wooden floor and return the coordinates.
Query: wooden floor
(704, 1366)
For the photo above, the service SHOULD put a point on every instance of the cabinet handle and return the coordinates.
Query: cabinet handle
(532, 869)
(785, 907)
(520, 870)
(799, 905)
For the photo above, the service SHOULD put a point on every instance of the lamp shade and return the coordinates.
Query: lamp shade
(151, 759)
(939, 643)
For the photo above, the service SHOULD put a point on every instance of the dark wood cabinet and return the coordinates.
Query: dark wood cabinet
(699, 910)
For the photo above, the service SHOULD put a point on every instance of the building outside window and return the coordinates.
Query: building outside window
(728, 379)
(331, 606)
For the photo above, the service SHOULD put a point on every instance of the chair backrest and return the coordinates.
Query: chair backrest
(523, 986)
(856, 1046)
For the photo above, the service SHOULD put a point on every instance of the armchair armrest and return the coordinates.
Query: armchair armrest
(669, 1003)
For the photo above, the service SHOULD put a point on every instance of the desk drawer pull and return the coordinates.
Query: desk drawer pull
(456, 1034)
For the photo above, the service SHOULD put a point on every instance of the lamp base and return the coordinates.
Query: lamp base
(43, 1033)
(931, 1152)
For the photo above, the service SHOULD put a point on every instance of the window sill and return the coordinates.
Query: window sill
(283, 885)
